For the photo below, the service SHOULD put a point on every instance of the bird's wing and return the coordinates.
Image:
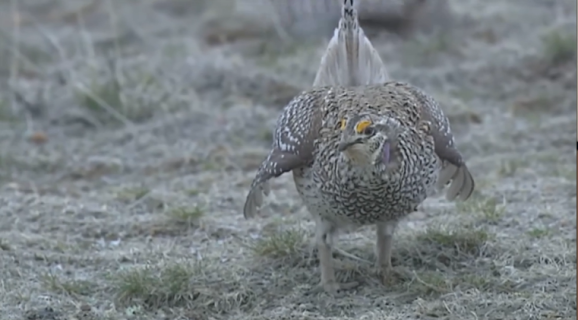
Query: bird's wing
(454, 169)
(350, 58)
(293, 144)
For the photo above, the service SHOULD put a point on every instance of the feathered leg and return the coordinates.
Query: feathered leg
(324, 234)
(384, 244)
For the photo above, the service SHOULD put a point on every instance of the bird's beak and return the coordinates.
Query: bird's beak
(343, 145)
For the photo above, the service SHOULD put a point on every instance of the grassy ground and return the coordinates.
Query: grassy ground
(128, 144)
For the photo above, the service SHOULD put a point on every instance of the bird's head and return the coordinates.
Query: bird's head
(368, 140)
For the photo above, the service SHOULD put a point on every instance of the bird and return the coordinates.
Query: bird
(363, 150)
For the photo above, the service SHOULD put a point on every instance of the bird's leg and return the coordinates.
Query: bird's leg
(385, 231)
(324, 238)
(324, 251)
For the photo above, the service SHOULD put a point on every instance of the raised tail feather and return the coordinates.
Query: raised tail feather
(350, 58)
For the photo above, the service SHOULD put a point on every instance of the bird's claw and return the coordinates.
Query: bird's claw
(335, 288)
(390, 275)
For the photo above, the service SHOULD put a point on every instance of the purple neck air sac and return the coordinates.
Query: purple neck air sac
(386, 152)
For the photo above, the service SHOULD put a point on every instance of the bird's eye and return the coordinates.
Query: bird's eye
(369, 131)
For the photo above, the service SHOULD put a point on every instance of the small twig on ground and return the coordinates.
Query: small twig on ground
(351, 256)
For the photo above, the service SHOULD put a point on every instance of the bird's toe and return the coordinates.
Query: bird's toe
(390, 276)
(335, 288)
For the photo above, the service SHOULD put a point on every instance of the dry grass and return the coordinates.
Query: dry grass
(130, 206)
(72, 288)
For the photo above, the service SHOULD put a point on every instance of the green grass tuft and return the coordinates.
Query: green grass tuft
(559, 47)
(487, 208)
(132, 194)
(538, 233)
(280, 244)
(4, 246)
(169, 286)
(464, 240)
(187, 216)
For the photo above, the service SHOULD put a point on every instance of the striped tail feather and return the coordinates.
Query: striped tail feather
(350, 58)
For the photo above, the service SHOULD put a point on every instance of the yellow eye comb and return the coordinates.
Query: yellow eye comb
(362, 125)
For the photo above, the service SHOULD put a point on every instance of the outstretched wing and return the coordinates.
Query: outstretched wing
(293, 144)
(350, 58)
(454, 167)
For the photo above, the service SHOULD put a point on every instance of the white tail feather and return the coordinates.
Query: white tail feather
(350, 58)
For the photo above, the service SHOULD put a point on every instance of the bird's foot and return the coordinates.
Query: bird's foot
(344, 265)
(335, 288)
(390, 276)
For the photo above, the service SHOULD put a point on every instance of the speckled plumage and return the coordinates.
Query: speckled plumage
(360, 155)
(345, 193)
